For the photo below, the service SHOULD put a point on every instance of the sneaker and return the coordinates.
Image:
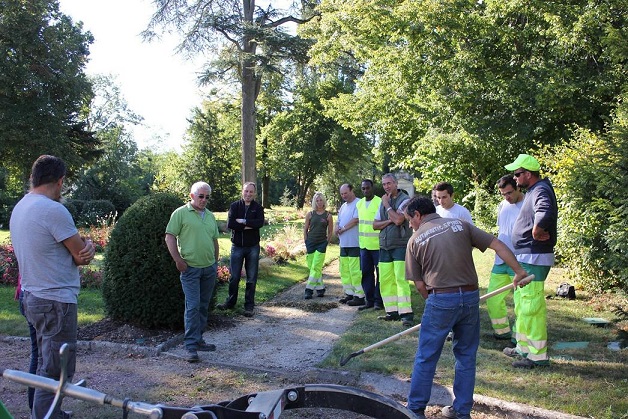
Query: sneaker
(419, 413)
(206, 347)
(345, 299)
(450, 413)
(366, 306)
(223, 306)
(511, 352)
(356, 301)
(192, 356)
(320, 293)
(308, 294)
(248, 313)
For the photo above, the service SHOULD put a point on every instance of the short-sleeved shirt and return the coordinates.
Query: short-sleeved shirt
(195, 235)
(506, 215)
(457, 211)
(39, 225)
(349, 211)
(440, 252)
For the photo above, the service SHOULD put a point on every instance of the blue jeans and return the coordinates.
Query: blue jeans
(198, 286)
(370, 283)
(55, 324)
(249, 256)
(32, 368)
(459, 312)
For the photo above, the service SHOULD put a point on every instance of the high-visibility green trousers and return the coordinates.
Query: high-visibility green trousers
(350, 273)
(501, 275)
(394, 287)
(315, 261)
(531, 312)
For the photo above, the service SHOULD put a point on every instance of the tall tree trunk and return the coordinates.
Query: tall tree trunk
(250, 90)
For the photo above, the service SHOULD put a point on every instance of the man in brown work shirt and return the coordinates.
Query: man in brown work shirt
(440, 262)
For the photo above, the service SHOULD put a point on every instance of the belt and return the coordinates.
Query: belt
(452, 290)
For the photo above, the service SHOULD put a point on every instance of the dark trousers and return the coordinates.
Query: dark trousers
(32, 368)
(370, 282)
(249, 257)
(56, 323)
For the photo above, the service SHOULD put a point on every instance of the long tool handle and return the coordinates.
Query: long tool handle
(413, 329)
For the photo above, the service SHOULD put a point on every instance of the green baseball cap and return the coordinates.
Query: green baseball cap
(524, 161)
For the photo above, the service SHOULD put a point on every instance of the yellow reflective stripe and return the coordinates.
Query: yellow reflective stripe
(366, 234)
(500, 321)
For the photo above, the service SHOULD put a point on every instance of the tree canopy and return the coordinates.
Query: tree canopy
(42, 86)
(455, 89)
(246, 41)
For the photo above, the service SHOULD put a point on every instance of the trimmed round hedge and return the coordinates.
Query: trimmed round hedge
(140, 280)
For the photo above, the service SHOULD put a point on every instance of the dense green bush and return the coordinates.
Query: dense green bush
(590, 176)
(140, 281)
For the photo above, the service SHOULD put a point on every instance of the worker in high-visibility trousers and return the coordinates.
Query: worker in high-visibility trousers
(317, 231)
(501, 274)
(347, 231)
(394, 233)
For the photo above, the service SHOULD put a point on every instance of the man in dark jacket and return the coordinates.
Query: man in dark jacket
(245, 219)
(533, 238)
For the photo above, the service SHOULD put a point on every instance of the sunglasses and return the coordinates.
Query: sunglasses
(201, 196)
(517, 174)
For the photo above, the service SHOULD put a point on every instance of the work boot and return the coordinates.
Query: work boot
(505, 336)
(206, 347)
(419, 413)
(345, 299)
(366, 306)
(309, 294)
(356, 301)
(320, 293)
(389, 317)
(449, 413)
(224, 306)
(511, 352)
(407, 321)
(191, 355)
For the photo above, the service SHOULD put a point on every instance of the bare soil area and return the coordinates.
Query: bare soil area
(277, 348)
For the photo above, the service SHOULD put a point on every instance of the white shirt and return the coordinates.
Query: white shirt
(457, 211)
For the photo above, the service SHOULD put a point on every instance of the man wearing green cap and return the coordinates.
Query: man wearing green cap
(533, 238)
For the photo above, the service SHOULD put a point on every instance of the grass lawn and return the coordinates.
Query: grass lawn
(590, 382)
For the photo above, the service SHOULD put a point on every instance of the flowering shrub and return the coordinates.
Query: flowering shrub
(270, 251)
(223, 274)
(90, 278)
(101, 231)
(286, 244)
(8, 265)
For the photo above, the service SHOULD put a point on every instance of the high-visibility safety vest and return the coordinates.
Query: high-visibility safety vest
(368, 237)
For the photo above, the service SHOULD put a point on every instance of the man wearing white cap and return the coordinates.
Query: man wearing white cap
(533, 238)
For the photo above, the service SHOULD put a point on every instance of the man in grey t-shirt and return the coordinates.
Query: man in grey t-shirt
(49, 249)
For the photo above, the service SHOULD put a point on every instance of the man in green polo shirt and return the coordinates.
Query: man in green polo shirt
(192, 240)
